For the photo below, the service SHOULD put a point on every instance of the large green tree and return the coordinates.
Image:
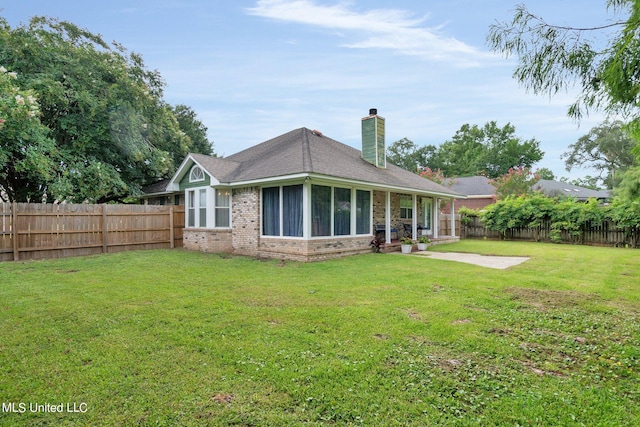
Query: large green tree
(410, 156)
(489, 150)
(194, 129)
(603, 62)
(26, 151)
(606, 148)
(113, 132)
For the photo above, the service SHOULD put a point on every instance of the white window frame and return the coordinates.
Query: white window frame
(208, 209)
(217, 207)
(192, 174)
(404, 197)
(353, 208)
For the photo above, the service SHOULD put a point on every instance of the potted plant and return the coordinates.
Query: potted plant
(423, 243)
(406, 244)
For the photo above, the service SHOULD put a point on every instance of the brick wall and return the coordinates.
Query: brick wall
(245, 211)
(313, 250)
(206, 240)
(379, 210)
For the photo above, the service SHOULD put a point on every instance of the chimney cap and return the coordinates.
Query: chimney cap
(373, 111)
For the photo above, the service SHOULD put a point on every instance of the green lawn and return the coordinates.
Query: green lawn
(181, 338)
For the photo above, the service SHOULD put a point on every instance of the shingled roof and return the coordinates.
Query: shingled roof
(472, 186)
(304, 151)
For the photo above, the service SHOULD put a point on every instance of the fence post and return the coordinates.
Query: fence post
(14, 228)
(104, 229)
(171, 231)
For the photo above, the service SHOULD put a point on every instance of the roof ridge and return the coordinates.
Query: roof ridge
(307, 161)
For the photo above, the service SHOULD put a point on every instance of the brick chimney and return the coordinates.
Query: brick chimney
(373, 147)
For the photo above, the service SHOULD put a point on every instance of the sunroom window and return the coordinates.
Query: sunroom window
(337, 211)
(282, 211)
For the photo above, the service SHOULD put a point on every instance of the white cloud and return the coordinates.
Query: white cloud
(390, 29)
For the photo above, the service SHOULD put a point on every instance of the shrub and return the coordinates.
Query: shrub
(562, 215)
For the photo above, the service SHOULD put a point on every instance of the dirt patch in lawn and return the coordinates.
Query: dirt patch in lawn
(548, 299)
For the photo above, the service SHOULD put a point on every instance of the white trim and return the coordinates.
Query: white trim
(453, 218)
(387, 216)
(344, 182)
(174, 184)
(191, 174)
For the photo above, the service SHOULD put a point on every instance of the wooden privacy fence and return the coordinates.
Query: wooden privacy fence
(37, 231)
(444, 224)
(599, 234)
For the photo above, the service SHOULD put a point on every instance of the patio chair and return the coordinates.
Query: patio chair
(407, 230)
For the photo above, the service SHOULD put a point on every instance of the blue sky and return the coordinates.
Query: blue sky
(254, 69)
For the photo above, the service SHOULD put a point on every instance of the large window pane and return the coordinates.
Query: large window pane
(223, 202)
(271, 211)
(363, 212)
(191, 209)
(292, 210)
(320, 210)
(203, 208)
(342, 211)
(406, 207)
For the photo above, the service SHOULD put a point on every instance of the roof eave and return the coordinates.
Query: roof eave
(397, 188)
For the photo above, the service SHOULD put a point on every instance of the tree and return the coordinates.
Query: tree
(408, 155)
(194, 129)
(491, 151)
(516, 182)
(606, 148)
(545, 173)
(112, 131)
(435, 176)
(553, 58)
(26, 152)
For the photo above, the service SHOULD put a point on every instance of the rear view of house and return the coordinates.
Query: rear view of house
(304, 196)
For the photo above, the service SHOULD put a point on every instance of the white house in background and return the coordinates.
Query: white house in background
(304, 196)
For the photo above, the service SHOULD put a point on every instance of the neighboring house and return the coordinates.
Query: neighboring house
(478, 189)
(303, 196)
(556, 188)
(157, 194)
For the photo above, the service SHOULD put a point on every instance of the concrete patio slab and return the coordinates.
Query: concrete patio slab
(489, 261)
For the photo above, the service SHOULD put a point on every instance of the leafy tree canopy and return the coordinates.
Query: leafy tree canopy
(194, 129)
(553, 58)
(26, 151)
(111, 130)
(408, 155)
(489, 150)
(606, 148)
(602, 61)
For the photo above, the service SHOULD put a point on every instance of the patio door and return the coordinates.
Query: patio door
(426, 217)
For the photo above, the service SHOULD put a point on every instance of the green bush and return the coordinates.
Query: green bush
(562, 215)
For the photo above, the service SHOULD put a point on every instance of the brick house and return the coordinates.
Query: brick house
(304, 196)
(478, 189)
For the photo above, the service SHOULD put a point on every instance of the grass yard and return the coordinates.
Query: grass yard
(170, 338)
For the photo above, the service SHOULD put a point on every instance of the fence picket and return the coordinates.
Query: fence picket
(601, 234)
(37, 231)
